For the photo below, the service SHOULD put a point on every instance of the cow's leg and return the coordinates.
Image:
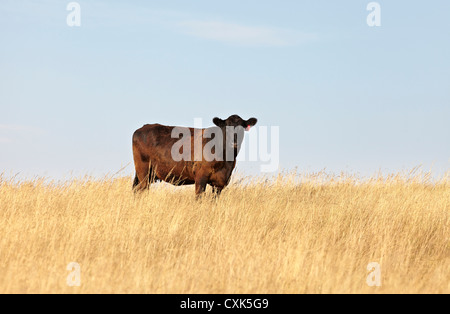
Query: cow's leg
(135, 182)
(217, 190)
(143, 176)
(200, 186)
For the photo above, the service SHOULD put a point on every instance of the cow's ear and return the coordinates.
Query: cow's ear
(251, 122)
(219, 122)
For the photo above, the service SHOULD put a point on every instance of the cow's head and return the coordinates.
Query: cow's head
(233, 130)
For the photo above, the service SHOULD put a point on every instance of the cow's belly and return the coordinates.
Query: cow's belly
(177, 173)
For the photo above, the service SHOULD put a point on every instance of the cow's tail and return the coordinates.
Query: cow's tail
(135, 182)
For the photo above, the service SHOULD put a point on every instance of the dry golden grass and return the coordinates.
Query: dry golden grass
(261, 236)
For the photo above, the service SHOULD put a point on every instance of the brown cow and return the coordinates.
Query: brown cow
(154, 146)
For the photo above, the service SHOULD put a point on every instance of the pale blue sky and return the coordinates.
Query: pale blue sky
(346, 96)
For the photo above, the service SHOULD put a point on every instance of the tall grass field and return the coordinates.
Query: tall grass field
(296, 233)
